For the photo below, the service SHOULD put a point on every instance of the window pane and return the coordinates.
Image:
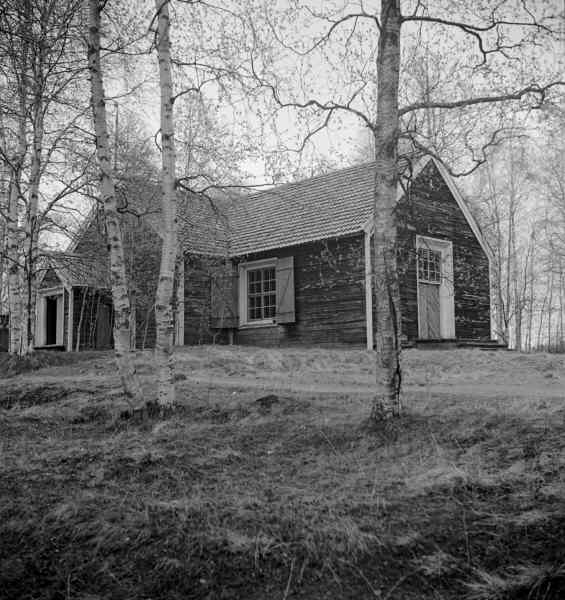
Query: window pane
(261, 294)
(269, 306)
(255, 304)
(429, 265)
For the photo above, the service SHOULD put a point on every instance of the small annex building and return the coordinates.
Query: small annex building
(287, 266)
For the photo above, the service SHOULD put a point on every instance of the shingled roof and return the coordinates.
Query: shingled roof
(202, 221)
(75, 270)
(203, 224)
(321, 207)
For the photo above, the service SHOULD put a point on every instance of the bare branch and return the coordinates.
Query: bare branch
(539, 91)
(476, 31)
(324, 38)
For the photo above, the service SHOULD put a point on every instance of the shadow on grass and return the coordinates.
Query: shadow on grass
(12, 365)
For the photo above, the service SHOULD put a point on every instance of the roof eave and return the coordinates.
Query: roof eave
(352, 231)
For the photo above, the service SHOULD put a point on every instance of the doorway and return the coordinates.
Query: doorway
(436, 311)
(50, 327)
(51, 320)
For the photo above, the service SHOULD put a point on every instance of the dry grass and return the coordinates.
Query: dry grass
(11, 365)
(234, 498)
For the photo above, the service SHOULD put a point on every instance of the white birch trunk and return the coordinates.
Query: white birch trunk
(14, 267)
(179, 303)
(125, 358)
(558, 336)
(387, 295)
(31, 224)
(4, 203)
(13, 250)
(550, 299)
(164, 357)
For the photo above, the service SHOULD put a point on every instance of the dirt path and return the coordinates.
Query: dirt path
(553, 390)
(299, 383)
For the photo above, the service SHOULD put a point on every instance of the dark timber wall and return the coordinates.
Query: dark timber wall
(92, 312)
(198, 274)
(142, 249)
(329, 280)
(142, 254)
(329, 288)
(431, 210)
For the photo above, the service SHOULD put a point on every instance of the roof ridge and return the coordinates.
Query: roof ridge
(307, 179)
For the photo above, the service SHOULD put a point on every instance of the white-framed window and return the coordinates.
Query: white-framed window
(429, 265)
(266, 292)
(258, 292)
(261, 294)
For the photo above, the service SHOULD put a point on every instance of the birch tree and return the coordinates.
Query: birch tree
(164, 357)
(125, 357)
(484, 45)
(385, 272)
(14, 155)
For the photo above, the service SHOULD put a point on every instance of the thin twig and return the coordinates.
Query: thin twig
(375, 593)
(400, 581)
(287, 589)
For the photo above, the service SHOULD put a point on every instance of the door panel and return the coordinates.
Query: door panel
(103, 327)
(428, 311)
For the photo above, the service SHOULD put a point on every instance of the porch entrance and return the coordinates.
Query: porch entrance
(51, 320)
(50, 326)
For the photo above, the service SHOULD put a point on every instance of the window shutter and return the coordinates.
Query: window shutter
(60, 319)
(285, 290)
(40, 321)
(224, 309)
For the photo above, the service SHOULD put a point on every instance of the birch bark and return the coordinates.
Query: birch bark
(20, 64)
(31, 222)
(124, 356)
(15, 267)
(14, 264)
(164, 357)
(385, 277)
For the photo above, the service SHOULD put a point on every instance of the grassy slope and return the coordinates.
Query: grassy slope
(234, 498)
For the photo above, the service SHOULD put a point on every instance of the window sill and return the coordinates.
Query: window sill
(258, 324)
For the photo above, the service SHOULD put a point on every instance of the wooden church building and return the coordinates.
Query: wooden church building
(288, 266)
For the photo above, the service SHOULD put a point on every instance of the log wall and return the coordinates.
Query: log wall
(142, 255)
(87, 301)
(431, 210)
(198, 273)
(329, 287)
